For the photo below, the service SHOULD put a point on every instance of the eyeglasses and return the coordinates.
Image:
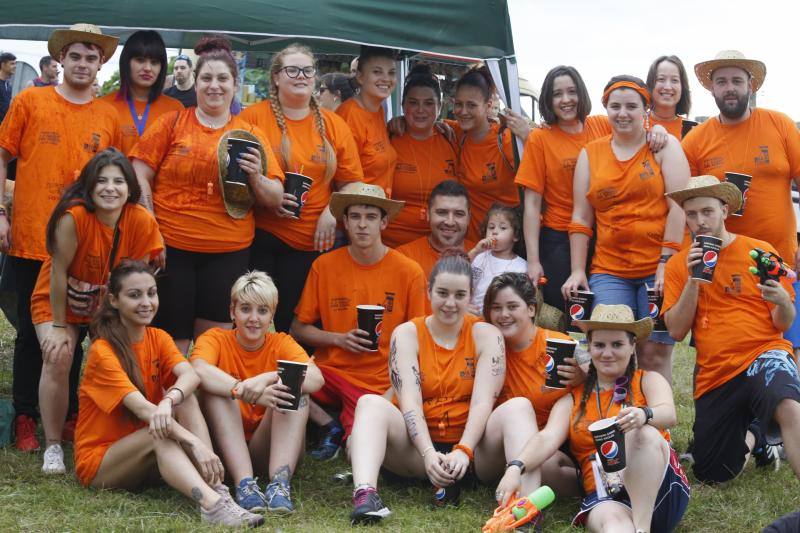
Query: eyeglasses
(294, 72)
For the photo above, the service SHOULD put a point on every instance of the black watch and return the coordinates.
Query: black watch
(517, 463)
(648, 413)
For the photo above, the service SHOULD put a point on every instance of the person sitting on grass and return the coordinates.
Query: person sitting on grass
(446, 371)
(647, 501)
(242, 396)
(129, 430)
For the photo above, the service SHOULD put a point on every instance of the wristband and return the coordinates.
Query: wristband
(429, 448)
(466, 449)
(664, 258)
(648, 413)
(233, 389)
(179, 390)
(59, 326)
(517, 463)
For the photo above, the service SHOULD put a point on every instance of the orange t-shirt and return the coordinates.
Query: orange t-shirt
(307, 155)
(630, 210)
(52, 139)
(421, 166)
(487, 174)
(129, 135)
(372, 139)
(186, 195)
(447, 378)
(220, 348)
(336, 284)
(673, 127)
(581, 443)
(102, 417)
(548, 163)
(767, 147)
(139, 238)
(525, 376)
(732, 324)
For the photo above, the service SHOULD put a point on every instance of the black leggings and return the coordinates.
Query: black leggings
(287, 267)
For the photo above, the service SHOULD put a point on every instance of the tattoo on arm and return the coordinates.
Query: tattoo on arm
(411, 424)
(498, 361)
(303, 401)
(394, 373)
(417, 376)
(284, 473)
(197, 494)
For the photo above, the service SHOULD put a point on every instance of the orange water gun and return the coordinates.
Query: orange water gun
(519, 511)
(769, 266)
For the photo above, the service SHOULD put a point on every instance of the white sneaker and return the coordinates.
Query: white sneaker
(54, 460)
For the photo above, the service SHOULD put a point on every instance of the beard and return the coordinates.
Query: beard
(733, 111)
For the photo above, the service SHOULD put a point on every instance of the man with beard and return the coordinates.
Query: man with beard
(183, 89)
(49, 68)
(760, 143)
(8, 66)
(53, 132)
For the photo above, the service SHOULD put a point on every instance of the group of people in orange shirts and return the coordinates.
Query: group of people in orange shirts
(127, 214)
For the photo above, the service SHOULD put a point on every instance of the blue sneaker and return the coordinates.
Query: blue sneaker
(330, 444)
(279, 497)
(249, 496)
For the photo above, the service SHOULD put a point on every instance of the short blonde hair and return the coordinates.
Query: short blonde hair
(255, 287)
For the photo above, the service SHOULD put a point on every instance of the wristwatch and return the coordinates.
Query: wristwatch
(648, 413)
(517, 463)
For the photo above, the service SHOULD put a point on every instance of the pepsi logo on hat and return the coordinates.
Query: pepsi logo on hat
(576, 311)
(710, 258)
(609, 449)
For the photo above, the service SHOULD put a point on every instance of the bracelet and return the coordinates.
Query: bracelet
(466, 449)
(183, 397)
(519, 464)
(429, 448)
(648, 413)
(664, 258)
(233, 389)
(59, 326)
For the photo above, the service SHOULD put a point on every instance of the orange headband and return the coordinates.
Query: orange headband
(626, 85)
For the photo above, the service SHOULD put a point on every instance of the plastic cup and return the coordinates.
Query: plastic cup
(557, 350)
(704, 270)
(578, 307)
(370, 319)
(654, 303)
(686, 126)
(298, 185)
(292, 375)
(236, 147)
(610, 443)
(742, 182)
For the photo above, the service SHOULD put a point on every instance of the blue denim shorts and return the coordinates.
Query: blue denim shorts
(793, 333)
(613, 290)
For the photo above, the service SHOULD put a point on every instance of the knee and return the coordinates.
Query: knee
(515, 411)
(370, 404)
(646, 437)
(787, 413)
(59, 370)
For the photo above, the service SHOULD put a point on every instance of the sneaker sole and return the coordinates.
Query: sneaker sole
(53, 471)
(280, 510)
(256, 509)
(325, 459)
(371, 517)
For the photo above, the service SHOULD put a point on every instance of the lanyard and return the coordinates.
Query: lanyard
(619, 396)
(139, 121)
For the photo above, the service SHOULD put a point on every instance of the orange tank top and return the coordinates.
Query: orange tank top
(446, 378)
(630, 210)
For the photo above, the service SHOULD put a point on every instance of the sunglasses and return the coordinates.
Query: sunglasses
(294, 72)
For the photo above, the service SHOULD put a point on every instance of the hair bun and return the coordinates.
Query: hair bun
(421, 69)
(211, 44)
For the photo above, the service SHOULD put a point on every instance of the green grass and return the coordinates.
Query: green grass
(31, 502)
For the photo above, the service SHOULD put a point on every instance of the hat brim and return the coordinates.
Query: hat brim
(61, 38)
(237, 197)
(725, 191)
(757, 70)
(641, 328)
(341, 201)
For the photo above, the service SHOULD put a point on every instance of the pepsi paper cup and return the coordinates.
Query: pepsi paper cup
(686, 126)
(742, 182)
(610, 443)
(704, 270)
(557, 350)
(237, 147)
(654, 303)
(292, 375)
(578, 307)
(298, 185)
(370, 319)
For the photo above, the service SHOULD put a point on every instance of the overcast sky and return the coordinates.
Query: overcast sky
(603, 38)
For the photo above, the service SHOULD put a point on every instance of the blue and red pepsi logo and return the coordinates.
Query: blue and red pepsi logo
(653, 309)
(439, 494)
(379, 328)
(609, 449)
(303, 198)
(576, 311)
(710, 258)
(550, 365)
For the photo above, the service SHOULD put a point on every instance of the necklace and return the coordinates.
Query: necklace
(208, 122)
(665, 119)
(424, 189)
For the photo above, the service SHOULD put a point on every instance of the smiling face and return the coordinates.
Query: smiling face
(565, 99)
(137, 300)
(251, 320)
(667, 89)
(215, 87)
(512, 316)
(364, 224)
(448, 217)
(471, 108)
(420, 109)
(297, 89)
(731, 87)
(110, 191)
(450, 294)
(625, 111)
(81, 64)
(144, 71)
(377, 77)
(611, 351)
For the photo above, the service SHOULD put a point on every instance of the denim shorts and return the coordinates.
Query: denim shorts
(793, 333)
(610, 289)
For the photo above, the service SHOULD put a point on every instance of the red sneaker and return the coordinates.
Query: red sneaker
(25, 434)
(68, 433)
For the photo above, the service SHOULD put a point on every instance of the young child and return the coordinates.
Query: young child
(494, 254)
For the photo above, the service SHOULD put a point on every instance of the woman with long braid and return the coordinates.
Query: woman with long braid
(310, 141)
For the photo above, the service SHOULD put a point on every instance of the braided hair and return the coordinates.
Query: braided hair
(277, 110)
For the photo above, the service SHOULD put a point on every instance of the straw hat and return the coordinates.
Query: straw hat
(731, 58)
(81, 33)
(617, 317)
(238, 197)
(547, 316)
(360, 193)
(709, 186)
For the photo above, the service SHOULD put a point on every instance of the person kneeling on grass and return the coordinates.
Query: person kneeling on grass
(242, 396)
(128, 428)
(446, 371)
(646, 501)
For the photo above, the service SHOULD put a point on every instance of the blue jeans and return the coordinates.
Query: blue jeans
(793, 333)
(610, 290)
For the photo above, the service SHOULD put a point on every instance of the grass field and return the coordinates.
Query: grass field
(30, 502)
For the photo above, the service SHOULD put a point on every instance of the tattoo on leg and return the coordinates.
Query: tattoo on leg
(394, 372)
(284, 473)
(197, 494)
(411, 424)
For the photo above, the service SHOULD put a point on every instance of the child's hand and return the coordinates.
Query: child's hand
(483, 245)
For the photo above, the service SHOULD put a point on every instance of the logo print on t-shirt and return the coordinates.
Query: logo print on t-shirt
(710, 258)
(647, 170)
(736, 285)
(492, 173)
(469, 368)
(762, 159)
(389, 303)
